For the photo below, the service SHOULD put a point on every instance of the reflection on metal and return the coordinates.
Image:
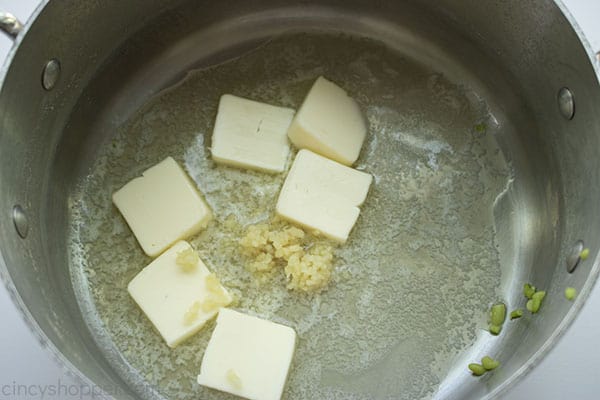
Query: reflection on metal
(10, 24)
(574, 256)
(20, 221)
(566, 103)
(51, 74)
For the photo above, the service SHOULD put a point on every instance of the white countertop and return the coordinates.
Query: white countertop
(571, 370)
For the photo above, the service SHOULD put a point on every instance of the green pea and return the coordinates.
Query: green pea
(495, 329)
(477, 369)
(516, 314)
(585, 253)
(528, 290)
(489, 363)
(498, 314)
(570, 293)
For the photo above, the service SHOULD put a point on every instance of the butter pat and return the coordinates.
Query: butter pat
(162, 206)
(248, 356)
(329, 123)
(172, 294)
(249, 134)
(323, 195)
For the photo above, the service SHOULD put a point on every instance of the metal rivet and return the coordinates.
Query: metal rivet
(574, 256)
(10, 25)
(566, 103)
(51, 74)
(20, 221)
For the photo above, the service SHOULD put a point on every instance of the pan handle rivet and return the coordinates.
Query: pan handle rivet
(10, 25)
(50, 74)
(574, 256)
(566, 103)
(20, 220)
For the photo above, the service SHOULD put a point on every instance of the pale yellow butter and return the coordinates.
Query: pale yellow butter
(323, 195)
(248, 356)
(250, 134)
(162, 206)
(329, 123)
(173, 297)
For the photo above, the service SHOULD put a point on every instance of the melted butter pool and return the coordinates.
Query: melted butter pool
(411, 286)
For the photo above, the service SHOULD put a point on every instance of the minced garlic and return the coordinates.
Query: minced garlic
(311, 270)
(234, 379)
(191, 314)
(187, 259)
(216, 297)
(307, 265)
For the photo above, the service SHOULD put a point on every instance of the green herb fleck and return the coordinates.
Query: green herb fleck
(534, 305)
(585, 253)
(528, 290)
(498, 314)
(539, 295)
(495, 329)
(480, 127)
(477, 369)
(489, 363)
(516, 314)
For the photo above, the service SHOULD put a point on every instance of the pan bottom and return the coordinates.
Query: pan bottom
(411, 287)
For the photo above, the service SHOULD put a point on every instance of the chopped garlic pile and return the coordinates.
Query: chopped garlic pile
(307, 265)
(310, 271)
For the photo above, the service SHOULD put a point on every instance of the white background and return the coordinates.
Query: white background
(572, 370)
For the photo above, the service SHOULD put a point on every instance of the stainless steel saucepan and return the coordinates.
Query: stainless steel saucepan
(483, 138)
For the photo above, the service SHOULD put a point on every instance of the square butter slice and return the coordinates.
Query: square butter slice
(178, 293)
(329, 123)
(248, 356)
(323, 195)
(162, 206)
(249, 134)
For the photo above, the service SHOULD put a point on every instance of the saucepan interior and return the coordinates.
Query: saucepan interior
(480, 183)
